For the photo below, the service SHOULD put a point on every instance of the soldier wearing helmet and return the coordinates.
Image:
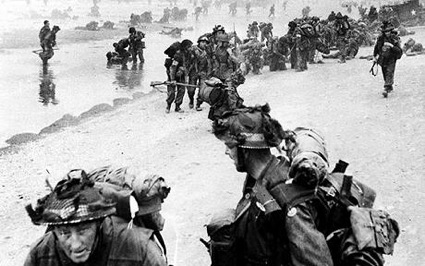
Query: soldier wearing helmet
(200, 70)
(84, 230)
(224, 62)
(281, 206)
(178, 72)
(386, 52)
(136, 44)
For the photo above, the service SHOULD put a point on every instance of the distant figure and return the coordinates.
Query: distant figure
(94, 11)
(48, 42)
(43, 32)
(232, 8)
(198, 11)
(166, 16)
(285, 2)
(248, 8)
(306, 11)
(272, 10)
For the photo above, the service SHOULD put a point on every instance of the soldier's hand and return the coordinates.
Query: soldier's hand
(173, 83)
(388, 44)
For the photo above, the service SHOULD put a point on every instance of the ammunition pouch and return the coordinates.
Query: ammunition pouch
(359, 193)
(220, 229)
(374, 229)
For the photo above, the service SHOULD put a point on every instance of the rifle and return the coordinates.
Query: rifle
(157, 83)
(372, 69)
(41, 50)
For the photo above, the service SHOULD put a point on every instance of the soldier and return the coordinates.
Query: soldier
(249, 134)
(177, 72)
(272, 10)
(266, 32)
(136, 44)
(253, 29)
(341, 28)
(291, 38)
(83, 229)
(248, 8)
(48, 43)
(200, 70)
(43, 32)
(302, 46)
(386, 52)
(120, 54)
(277, 54)
(224, 62)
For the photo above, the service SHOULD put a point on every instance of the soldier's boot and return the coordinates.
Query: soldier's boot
(178, 109)
(198, 106)
(387, 89)
(167, 109)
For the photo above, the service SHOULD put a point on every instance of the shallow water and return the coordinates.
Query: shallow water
(77, 78)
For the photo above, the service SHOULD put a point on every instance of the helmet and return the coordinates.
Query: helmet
(186, 43)
(56, 28)
(131, 30)
(387, 26)
(73, 200)
(150, 192)
(249, 128)
(203, 39)
(218, 28)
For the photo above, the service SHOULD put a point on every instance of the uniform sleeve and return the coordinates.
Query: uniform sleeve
(154, 254)
(378, 46)
(30, 260)
(307, 245)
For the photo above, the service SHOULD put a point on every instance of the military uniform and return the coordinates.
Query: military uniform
(118, 245)
(223, 63)
(137, 46)
(388, 51)
(341, 29)
(200, 70)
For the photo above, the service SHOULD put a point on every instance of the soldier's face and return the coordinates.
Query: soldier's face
(202, 44)
(232, 152)
(77, 241)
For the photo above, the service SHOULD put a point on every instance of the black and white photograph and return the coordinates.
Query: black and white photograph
(212, 132)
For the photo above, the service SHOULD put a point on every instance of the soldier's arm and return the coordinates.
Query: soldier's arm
(154, 255)
(173, 70)
(307, 245)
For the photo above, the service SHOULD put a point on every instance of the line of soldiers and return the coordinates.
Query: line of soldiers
(132, 46)
(193, 65)
(309, 40)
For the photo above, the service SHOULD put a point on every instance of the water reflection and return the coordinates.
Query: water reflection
(129, 78)
(47, 92)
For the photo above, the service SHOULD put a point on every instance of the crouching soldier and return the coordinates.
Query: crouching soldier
(84, 230)
(319, 218)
